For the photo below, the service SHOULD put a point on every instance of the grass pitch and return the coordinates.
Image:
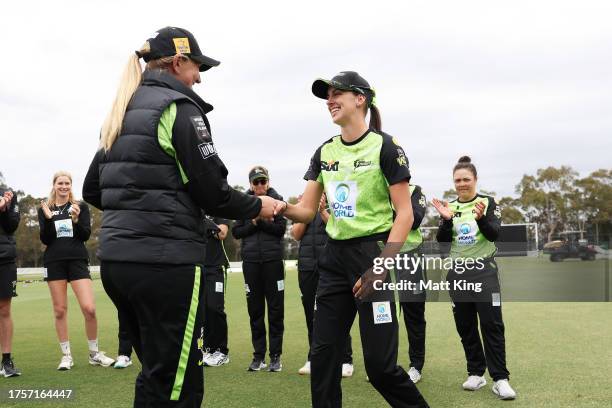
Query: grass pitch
(559, 355)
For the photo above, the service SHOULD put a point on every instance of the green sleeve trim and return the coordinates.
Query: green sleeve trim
(164, 136)
(187, 338)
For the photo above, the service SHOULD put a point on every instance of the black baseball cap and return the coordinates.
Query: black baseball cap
(170, 41)
(346, 81)
(258, 172)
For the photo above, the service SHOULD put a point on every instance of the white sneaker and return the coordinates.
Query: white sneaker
(66, 363)
(100, 359)
(503, 390)
(415, 375)
(305, 370)
(216, 359)
(347, 370)
(474, 382)
(206, 355)
(122, 362)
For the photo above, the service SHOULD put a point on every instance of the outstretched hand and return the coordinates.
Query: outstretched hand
(5, 200)
(442, 208)
(280, 207)
(268, 206)
(46, 210)
(479, 210)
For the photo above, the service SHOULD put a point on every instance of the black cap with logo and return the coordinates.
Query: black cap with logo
(345, 81)
(170, 41)
(258, 172)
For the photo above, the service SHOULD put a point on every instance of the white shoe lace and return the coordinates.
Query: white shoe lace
(66, 360)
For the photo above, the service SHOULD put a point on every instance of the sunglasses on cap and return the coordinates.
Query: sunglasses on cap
(259, 181)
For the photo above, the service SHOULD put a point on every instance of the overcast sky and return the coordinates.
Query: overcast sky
(516, 85)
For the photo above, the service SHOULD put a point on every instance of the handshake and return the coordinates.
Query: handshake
(271, 207)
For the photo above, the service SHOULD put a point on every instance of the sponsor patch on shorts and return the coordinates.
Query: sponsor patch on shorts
(219, 287)
(45, 273)
(246, 288)
(382, 312)
(495, 299)
(280, 285)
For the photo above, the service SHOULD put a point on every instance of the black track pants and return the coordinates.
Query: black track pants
(215, 319)
(308, 281)
(164, 323)
(486, 308)
(265, 283)
(413, 310)
(340, 266)
(125, 343)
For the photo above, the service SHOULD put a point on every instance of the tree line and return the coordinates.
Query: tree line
(557, 199)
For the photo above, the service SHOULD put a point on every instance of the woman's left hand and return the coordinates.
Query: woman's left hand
(479, 210)
(74, 213)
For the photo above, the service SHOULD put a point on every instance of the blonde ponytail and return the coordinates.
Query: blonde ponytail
(130, 80)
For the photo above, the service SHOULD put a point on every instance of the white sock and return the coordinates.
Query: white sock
(65, 346)
(93, 346)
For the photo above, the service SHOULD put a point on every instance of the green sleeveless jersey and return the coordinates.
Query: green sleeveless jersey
(471, 238)
(356, 177)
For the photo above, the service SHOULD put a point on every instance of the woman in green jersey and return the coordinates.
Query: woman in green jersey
(471, 225)
(365, 175)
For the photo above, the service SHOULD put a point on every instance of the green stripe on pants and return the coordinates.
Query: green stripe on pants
(187, 338)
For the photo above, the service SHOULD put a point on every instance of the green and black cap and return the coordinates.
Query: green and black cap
(170, 41)
(346, 81)
(258, 172)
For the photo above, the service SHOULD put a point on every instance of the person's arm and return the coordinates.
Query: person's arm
(91, 185)
(305, 211)
(47, 228)
(276, 228)
(201, 169)
(82, 228)
(244, 228)
(394, 165)
(490, 223)
(9, 218)
(297, 230)
(419, 205)
(400, 197)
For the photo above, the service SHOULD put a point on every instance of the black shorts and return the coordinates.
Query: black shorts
(70, 270)
(8, 280)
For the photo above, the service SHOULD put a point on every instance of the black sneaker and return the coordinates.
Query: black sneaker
(256, 365)
(275, 364)
(8, 369)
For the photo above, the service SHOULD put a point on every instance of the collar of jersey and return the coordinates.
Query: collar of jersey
(354, 142)
(469, 201)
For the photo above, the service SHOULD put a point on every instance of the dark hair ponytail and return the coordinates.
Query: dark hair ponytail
(465, 162)
(375, 120)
